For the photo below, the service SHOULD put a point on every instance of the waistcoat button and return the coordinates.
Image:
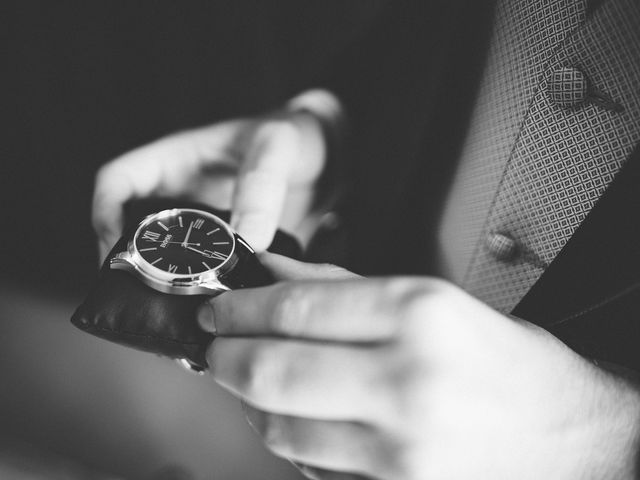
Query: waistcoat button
(502, 246)
(567, 87)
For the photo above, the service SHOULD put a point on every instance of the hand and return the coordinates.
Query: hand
(412, 378)
(264, 169)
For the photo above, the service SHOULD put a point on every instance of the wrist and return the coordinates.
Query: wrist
(607, 442)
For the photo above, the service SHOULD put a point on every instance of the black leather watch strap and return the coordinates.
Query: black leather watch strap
(248, 271)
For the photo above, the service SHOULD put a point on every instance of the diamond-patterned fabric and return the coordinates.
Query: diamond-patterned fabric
(567, 87)
(531, 168)
(524, 38)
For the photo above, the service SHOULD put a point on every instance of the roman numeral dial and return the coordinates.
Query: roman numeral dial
(184, 241)
(150, 236)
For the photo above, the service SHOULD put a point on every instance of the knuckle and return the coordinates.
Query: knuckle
(420, 305)
(407, 388)
(280, 126)
(406, 299)
(274, 435)
(421, 302)
(256, 375)
(280, 131)
(289, 311)
(265, 377)
(334, 271)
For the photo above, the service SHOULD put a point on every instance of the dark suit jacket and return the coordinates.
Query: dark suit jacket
(408, 86)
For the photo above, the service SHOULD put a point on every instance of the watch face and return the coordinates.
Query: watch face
(184, 241)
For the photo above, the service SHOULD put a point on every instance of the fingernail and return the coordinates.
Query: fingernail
(255, 418)
(307, 471)
(205, 318)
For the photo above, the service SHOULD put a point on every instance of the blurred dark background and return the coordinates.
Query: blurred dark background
(82, 82)
(86, 81)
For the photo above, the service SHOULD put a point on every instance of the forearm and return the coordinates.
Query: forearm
(612, 432)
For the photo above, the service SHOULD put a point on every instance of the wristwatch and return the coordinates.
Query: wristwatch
(172, 256)
(188, 251)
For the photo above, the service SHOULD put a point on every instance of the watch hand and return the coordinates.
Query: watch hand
(185, 242)
(162, 241)
(198, 251)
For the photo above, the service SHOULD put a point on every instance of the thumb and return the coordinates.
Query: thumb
(285, 268)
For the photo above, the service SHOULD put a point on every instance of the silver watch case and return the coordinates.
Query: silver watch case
(204, 283)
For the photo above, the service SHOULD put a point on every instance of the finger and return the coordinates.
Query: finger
(165, 167)
(314, 473)
(285, 268)
(262, 183)
(322, 381)
(277, 150)
(104, 247)
(322, 446)
(347, 310)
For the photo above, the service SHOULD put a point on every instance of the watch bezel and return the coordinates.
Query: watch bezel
(184, 284)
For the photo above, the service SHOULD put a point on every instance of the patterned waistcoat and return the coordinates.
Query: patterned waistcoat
(557, 116)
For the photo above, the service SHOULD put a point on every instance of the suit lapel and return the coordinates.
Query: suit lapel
(589, 296)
